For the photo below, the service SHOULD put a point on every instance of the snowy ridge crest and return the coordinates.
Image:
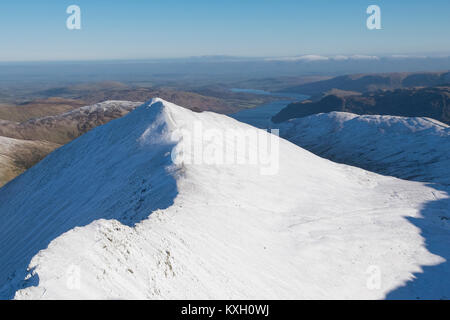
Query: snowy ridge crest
(112, 216)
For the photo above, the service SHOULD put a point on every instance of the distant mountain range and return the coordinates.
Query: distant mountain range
(432, 102)
(214, 70)
(92, 93)
(373, 82)
(53, 101)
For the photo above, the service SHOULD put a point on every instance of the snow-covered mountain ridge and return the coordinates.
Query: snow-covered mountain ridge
(409, 148)
(65, 127)
(117, 214)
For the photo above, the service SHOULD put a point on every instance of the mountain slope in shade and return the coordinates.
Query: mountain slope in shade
(433, 102)
(409, 148)
(16, 156)
(118, 214)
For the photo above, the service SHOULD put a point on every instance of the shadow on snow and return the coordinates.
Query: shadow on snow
(434, 281)
(109, 173)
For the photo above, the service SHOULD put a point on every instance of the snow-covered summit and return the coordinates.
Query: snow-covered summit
(121, 213)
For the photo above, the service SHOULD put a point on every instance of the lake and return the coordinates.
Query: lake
(261, 116)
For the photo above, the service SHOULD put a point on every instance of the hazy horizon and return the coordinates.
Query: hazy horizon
(225, 57)
(136, 30)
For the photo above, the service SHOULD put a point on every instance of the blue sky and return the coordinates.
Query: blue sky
(140, 29)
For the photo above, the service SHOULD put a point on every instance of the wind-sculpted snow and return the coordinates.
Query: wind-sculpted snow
(409, 148)
(121, 214)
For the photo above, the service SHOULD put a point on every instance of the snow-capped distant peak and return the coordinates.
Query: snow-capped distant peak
(101, 106)
(305, 58)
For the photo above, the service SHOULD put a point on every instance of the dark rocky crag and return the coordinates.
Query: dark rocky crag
(432, 102)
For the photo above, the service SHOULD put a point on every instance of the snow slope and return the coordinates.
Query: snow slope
(117, 214)
(409, 148)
